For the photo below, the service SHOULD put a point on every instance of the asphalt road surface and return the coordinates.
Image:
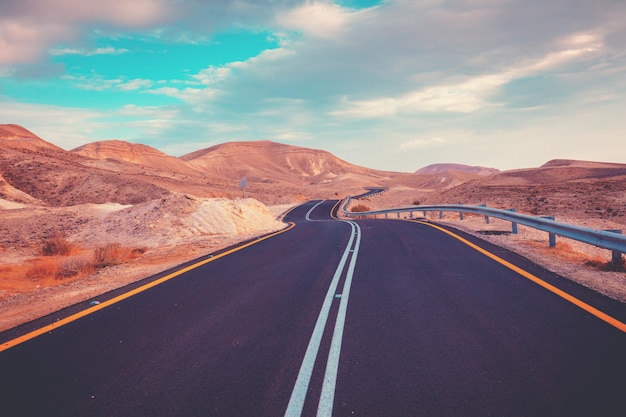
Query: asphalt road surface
(375, 318)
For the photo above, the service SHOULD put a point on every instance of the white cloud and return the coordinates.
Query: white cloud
(473, 93)
(195, 96)
(136, 84)
(109, 50)
(65, 127)
(422, 143)
(25, 40)
(317, 18)
(98, 83)
(212, 75)
(28, 28)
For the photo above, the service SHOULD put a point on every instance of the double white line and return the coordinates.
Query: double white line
(301, 387)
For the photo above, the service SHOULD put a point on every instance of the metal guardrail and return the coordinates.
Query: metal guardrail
(612, 240)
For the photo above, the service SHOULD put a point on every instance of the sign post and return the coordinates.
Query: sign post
(243, 184)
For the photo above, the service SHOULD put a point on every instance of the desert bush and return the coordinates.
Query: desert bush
(610, 266)
(416, 202)
(108, 255)
(43, 268)
(75, 265)
(57, 245)
(115, 254)
(359, 208)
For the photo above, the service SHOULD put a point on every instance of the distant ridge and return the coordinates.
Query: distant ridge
(135, 153)
(16, 136)
(554, 163)
(271, 160)
(442, 168)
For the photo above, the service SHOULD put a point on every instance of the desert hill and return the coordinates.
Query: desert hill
(57, 177)
(16, 136)
(34, 170)
(135, 153)
(581, 189)
(445, 168)
(267, 161)
(581, 164)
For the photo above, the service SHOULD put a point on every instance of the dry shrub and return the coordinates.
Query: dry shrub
(44, 268)
(78, 262)
(58, 245)
(604, 265)
(115, 254)
(72, 266)
(566, 252)
(359, 208)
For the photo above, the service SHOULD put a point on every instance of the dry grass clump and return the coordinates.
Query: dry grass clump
(62, 259)
(58, 245)
(610, 266)
(79, 265)
(566, 252)
(43, 268)
(359, 208)
(115, 254)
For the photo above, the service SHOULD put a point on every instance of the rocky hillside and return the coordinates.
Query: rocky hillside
(575, 188)
(135, 153)
(446, 168)
(267, 161)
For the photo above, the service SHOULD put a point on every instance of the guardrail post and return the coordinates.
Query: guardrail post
(410, 215)
(441, 214)
(616, 256)
(424, 213)
(551, 236)
(513, 224)
(486, 217)
(460, 215)
(398, 214)
(386, 215)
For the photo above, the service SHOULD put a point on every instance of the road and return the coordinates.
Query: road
(369, 318)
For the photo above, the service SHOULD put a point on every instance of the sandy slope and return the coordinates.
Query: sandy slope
(168, 230)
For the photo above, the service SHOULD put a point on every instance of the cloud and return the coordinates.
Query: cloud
(421, 143)
(65, 127)
(109, 50)
(473, 93)
(319, 19)
(98, 83)
(28, 28)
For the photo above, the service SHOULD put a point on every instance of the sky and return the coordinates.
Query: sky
(388, 84)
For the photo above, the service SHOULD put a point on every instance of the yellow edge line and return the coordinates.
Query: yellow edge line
(104, 304)
(331, 210)
(592, 310)
(282, 216)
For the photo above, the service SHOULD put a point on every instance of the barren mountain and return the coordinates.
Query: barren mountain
(266, 161)
(59, 178)
(135, 153)
(16, 136)
(446, 168)
(574, 188)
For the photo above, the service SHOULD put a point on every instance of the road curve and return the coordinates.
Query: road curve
(396, 319)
